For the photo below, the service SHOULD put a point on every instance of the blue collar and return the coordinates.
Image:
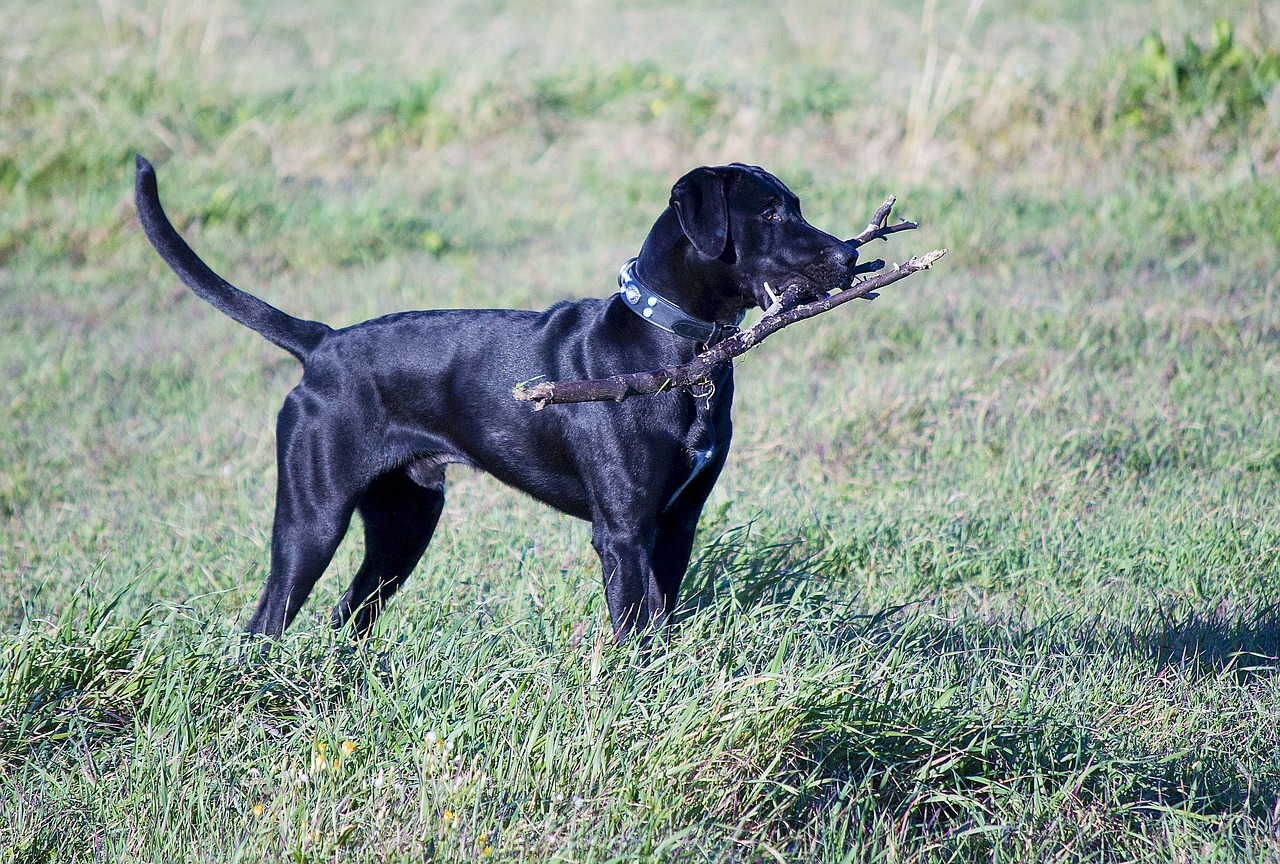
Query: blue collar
(665, 315)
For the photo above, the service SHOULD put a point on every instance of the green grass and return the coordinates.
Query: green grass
(992, 573)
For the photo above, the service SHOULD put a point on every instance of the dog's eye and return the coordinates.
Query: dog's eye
(771, 216)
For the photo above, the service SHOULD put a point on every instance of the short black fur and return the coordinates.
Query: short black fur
(383, 406)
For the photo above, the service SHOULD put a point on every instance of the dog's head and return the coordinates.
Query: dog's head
(749, 221)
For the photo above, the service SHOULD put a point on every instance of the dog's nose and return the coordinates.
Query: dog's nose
(842, 255)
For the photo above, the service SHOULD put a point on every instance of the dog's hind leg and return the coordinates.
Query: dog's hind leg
(301, 549)
(318, 483)
(399, 517)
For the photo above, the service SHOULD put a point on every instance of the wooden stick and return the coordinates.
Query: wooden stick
(700, 369)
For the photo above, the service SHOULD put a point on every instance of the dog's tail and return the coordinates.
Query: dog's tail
(295, 335)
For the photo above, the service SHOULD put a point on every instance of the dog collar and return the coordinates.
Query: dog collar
(665, 315)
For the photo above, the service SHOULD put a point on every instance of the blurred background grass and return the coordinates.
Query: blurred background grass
(1047, 469)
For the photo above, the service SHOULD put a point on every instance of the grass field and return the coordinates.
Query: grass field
(993, 572)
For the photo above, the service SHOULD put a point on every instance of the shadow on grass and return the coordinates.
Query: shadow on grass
(1208, 643)
(983, 728)
(945, 737)
(749, 573)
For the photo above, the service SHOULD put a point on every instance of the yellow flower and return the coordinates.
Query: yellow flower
(488, 850)
(257, 810)
(348, 748)
(321, 746)
(448, 815)
(318, 762)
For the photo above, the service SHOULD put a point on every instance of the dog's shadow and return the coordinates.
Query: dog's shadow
(739, 567)
(1195, 644)
(882, 743)
(1205, 643)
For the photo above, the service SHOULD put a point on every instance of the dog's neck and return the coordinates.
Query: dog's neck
(670, 267)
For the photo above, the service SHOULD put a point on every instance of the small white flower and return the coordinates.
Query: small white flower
(577, 802)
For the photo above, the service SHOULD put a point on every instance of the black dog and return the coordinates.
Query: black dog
(384, 405)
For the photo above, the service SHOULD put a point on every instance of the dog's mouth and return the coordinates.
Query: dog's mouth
(801, 288)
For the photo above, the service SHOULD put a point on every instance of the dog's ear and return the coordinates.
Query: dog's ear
(701, 206)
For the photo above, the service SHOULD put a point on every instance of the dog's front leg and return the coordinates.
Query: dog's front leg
(671, 552)
(626, 560)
